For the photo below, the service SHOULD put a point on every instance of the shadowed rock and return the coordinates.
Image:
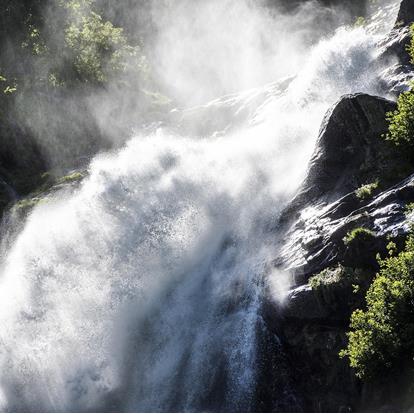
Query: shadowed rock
(312, 324)
(406, 13)
(349, 144)
(351, 152)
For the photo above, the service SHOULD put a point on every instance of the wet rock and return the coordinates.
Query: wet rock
(349, 144)
(406, 13)
(350, 152)
(21, 160)
(400, 71)
(313, 323)
(316, 241)
(302, 304)
(324, 380)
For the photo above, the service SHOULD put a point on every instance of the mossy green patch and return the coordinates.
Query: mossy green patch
(367, 191)
(358, 235)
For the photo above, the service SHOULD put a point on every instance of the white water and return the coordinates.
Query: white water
(142, 290)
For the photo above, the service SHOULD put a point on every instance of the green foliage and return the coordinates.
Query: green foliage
(336, 276)
(382, 336)
(34, 41)
(7, 87)
(341, 289)
(366, 191)
(327, 277)
(49, 184)
(410, 48)
(360, 234)
(71, 178)
(26, 204)
(100, 49)
(75, 45)
(360, 21)
(409, 208)
(76, 5)
(401, 121)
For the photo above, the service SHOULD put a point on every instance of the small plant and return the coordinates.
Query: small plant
(360, 234)
(360, 22)
(70, 178)
(327, 277)
(401, 121)
(409, 208)
(366, 191)
(337, 276)
(410, 48)
(26, 204)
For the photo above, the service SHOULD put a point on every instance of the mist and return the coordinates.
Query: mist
(208, 49)
(193, 51)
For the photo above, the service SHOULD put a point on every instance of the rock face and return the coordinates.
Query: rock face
(349, 143)
(400, 69)
(21, 163)
(350, 152)
(317, 242)
(406, 13)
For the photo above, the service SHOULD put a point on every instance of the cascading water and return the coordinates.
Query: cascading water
(142, 290)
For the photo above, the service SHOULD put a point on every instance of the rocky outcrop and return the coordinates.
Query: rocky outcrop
(406, 13)
(400, 70)
(349, 144)
(316, 241)
(350, 152)
(21, 163)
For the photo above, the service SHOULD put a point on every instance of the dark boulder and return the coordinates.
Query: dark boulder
(406, 13)
(318, 225)
(21, 159)
(350, 150)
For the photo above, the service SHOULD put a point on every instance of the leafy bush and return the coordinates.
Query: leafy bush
(336, 276)
(360, 234)
(409, 209)
(360, 21)
(410, 48)
(367, 190)
(73, 45)
(401, 121)
(382, 336)
(325, 277)
(100, 49)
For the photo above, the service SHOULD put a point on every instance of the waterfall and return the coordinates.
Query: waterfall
(142, 289)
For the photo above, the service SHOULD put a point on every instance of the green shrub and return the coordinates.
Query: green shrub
(382, 336)
(360, 21)
(366, 191)
(360, 234)
(100, 49)
(326, 277)
(337, 276)
(71, 178)
(410, 48)
(409, 208)
(401, 121)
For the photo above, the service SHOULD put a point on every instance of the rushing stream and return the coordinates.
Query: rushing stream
(142, 289)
